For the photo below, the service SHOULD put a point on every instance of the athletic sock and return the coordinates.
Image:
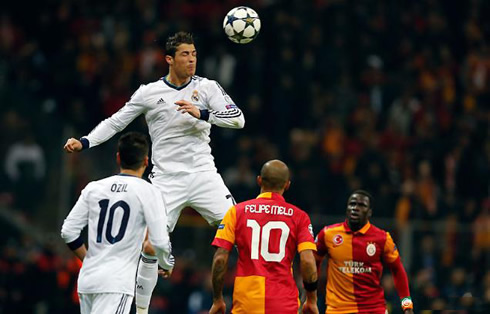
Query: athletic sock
(146, 281)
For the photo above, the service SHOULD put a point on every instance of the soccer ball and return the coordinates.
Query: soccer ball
(241, 25)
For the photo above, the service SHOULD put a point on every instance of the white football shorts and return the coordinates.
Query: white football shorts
(105, 303)
(204, 191)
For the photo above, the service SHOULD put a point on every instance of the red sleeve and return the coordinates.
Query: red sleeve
(400, 278)
(305, 233)
(321, 248)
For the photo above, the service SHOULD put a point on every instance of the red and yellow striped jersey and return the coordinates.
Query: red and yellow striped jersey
(267, 232)
(355, 266)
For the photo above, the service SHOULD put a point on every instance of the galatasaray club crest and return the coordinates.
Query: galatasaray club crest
(371, 249)
(338, 240)
(195, 95)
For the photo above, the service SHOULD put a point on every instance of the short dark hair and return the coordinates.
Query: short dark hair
(366, 194)
(173, 42)
(133, 148)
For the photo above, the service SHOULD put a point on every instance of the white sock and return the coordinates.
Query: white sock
(140, 310)
(146, 281)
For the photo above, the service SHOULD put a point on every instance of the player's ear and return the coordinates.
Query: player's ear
(259, 180)
(369, 213)
(118, 159)
(169, 59)
(145, 162)
(288, 184)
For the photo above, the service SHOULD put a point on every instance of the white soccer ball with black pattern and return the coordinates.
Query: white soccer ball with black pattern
(241, 25)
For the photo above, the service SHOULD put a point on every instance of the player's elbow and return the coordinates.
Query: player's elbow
(67, 235)
(240, 122)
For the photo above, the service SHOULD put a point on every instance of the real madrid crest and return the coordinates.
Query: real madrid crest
(195, 95)
(371, 249)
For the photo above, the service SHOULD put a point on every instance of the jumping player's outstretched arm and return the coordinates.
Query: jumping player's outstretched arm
(110, 126)
(221, 110)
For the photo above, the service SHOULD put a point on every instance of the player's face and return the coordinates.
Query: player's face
(358, 210)
(185, 60)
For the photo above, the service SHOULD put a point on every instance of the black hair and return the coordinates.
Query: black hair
(173, 42)
(367, 194)
(133, 148)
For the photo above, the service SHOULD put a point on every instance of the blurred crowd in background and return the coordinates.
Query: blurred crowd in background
(389, 96)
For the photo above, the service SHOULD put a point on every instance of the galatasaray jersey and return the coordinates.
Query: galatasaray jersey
(180, 142)
(117, 210)
(267, 232)
(355, 267)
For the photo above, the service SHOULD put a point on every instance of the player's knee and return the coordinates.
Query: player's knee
(148, 248)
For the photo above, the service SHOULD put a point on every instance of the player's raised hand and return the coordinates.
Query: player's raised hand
(219, 307)
(73, 145)
(187, 107)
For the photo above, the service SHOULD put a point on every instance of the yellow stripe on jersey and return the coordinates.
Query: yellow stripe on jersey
(306, 246)
(249, 295)
(390, 251)
(265, 195)
(226, 229)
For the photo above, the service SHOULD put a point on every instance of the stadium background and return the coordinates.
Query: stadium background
(390, 96)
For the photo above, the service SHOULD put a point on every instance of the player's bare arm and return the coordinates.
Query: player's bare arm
(310, 279)
(220, 264)
(81, 252)
(187, 107)
(73, 145)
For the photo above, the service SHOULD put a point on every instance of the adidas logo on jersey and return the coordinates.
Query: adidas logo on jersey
(161, 101)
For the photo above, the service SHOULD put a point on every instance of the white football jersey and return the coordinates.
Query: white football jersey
(180, 142)
(117, 210)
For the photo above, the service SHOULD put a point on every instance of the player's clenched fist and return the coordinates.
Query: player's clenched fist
(72, 145)
(219, 307)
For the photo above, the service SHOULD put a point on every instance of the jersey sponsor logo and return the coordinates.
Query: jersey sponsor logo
(195, 96)
(354, 267)
(231, 106)
(338, 240)
(371, 249)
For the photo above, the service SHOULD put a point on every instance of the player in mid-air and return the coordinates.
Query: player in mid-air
(117, 211)
(356, 251)
(179, 110)
(267, 232)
